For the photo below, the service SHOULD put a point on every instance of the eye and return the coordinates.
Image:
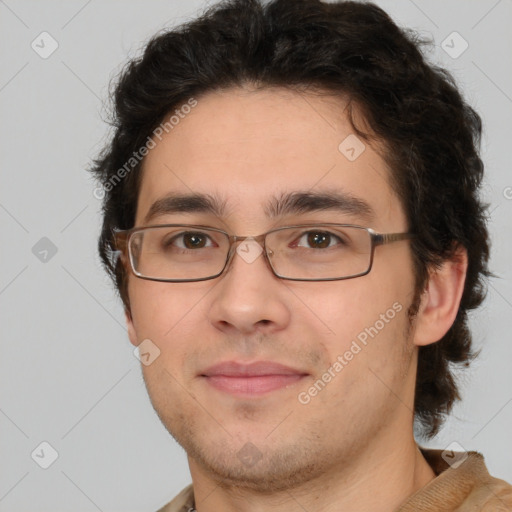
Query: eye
(190, 240)
(318, 240)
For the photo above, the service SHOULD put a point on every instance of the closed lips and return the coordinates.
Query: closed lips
(250, 380)
(256, 369)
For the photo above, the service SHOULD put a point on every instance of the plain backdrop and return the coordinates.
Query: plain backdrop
(67, 370)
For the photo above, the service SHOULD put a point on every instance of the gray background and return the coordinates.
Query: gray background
(68, 373)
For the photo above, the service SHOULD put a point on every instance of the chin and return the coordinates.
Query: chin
(262, 469)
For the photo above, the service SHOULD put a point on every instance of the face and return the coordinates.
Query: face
(250, 421)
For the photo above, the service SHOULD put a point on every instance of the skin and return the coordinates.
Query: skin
(354, 435)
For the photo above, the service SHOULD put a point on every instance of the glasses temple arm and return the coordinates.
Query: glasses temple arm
(387, 238)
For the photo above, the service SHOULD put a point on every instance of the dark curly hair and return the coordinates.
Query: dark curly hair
(431, 135)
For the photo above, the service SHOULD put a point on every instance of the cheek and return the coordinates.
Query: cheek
(172, 317)
(160, 308)
(365, 320)
(368, 352)
(348, 307)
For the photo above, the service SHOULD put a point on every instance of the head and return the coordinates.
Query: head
(248, 107)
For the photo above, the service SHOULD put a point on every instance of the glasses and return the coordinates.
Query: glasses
(307, 252)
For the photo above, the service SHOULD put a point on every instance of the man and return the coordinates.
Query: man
(292, 219)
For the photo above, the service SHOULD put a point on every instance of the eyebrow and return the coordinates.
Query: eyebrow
(189, 203)
(306, 202)
(286, 204)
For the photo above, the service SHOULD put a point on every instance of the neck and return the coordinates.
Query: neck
(379, 480)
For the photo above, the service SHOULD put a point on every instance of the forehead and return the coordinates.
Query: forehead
(248, 147)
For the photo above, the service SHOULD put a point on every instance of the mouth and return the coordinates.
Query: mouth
(251, 380)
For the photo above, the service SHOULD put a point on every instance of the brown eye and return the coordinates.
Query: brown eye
(194, 240)
(188, 240)
(319, 240)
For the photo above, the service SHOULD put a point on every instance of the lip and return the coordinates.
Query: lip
(251, 379)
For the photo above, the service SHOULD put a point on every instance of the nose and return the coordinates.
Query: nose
(249, 298)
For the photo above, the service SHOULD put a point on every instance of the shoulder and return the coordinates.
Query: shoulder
(462, 484)
(495, 495)
(182, 502)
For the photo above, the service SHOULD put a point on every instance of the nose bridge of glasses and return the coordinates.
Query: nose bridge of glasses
(248, 254)
(241, 238)
(237, 240)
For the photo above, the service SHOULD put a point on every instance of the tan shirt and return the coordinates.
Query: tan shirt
(465, 488)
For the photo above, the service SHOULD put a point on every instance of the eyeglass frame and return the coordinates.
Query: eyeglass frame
(122, 244)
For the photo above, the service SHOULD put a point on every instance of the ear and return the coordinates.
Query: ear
(131, 328)
(441, 298)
